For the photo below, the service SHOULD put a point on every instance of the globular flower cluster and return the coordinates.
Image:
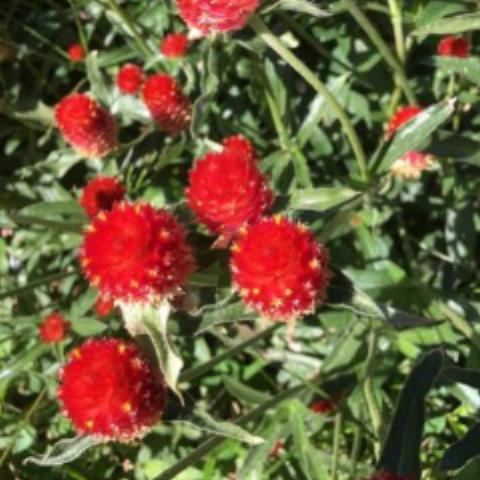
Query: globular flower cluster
(411, 165)
(130, 79)
(226, 189)
(135, 253)
(54, 328)
(76, 52)
(174, 45)
(454, 47)
(89, 128)
(108, 390)
(169, 107)
(279, 269)
(101, 194)
(402, 116)
(209, 16)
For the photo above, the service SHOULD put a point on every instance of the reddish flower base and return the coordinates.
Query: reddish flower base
(227, 190)
(280, 269)
(104, 306)
(76, 52)
(108, 390)
(130, 79)
(174, 45)
(208, 16)
(89, 129)
(169, 107)
(54, 328)
(101, 194)
(136, 253)
(453, 47)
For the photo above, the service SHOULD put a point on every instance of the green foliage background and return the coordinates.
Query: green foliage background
(403, 302)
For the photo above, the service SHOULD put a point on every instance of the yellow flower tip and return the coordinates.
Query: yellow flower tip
(314, 264)
(89, 424)
(127, 407)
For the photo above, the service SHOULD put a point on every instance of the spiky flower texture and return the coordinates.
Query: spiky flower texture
(130, 79)
(174, 45)
(76, 52)
(453, 47)
(108, 390)
(226, 189)
(101, 194)
(280, 269)
(89, 128)
(135, 253)
(400, 118)
(209, 16)
(169, 107)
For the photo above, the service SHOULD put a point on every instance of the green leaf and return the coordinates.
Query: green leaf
(301, 6)
(451, 25)
(155, 321)
(322, 199)
(20, 363)
(470, 472)
(58, 208)
(83, 304)
(64, 451)
(243, 392)
(87, 327)
(401, 450)
(469, 67)
(414, 134)
(98, 86)
(221, 314)
(462, 451)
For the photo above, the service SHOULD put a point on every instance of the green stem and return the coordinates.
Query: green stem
(357, 442)
(141, 44)
(277, 45)
(377, 40)
(369, 391)
(397, 29)
(336, 445)
(81, 33)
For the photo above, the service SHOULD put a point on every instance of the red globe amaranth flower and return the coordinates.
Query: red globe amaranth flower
(226, 189)
(208, 16)
(277, 449)
(89, 129)
(76, 52)
(130, 79)
(239, 142)
(411, 165)
(101, 194)
(280, 269)
(103, 306)
(54, 328)
(400, 118)
(322, 406)
(384, 475)
(453, 47)
(174, 45)
(108, 390)
(136, 253)
(169, 107)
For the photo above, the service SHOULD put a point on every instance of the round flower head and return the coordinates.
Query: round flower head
(280, 269)
(53, 328)
(76, 52)
(135, 253)
(226, 189)
(167, 104)
(103, 306)
(89, 129)
(109, 391)
(453, 47)
(130, 79)
(400, 118)
(239, 142)
(101, 194)
(174, 45)
(411, 165)
(209, 16)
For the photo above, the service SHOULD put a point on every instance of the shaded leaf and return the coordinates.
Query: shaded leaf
(451, 25)
(322, 199)
(462, 451)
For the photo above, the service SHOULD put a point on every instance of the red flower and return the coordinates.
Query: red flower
(101, 194)
(400, 118)
(89, 128)
(108, 390)
(453, 47)
(226, 189)
(207, 16)
(322, 406)
(54, 328)
(76, 52)
(104, 306)
(174, 45)
(411, 165)
(130, 79)
(277, 449)
(280, 269)
(239, 142)
(136, 253)
(167, 104)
